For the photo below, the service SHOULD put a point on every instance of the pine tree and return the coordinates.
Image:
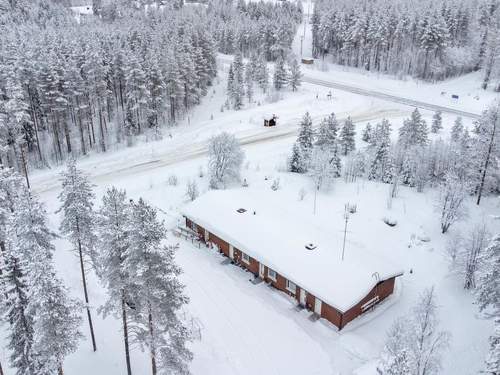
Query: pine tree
(367, 132)
(327, 133)
(305, 139)
(55, 316)
(280, 76)
(414, 130)
(14, 305)
(380, 149)
(488, 144)
(158, 294)
(347, 134)
(78, 224)
(249, 82)
(262, 74)
(113, 243)
(294, 76)
(296, 161)
(437, 122)
(457, 130)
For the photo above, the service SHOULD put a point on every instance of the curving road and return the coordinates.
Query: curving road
(388, 97)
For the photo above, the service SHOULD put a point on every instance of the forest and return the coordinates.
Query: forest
(71, 88)
(432, 40)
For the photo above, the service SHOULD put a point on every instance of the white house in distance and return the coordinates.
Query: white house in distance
(294, 255)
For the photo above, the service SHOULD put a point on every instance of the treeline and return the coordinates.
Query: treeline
(261, 27)
(69, 88)
(426, 39)
(466, 164)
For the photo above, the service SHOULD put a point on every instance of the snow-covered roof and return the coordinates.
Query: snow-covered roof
(277, 237)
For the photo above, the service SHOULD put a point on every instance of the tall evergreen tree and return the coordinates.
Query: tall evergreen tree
(414, 130)
(280, 76)
(294, 75)
(113, 226)
(437, 122)
(158, 294)
(347, 134)
(78, 224)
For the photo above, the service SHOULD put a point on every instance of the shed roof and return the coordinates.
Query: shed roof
(272, 233)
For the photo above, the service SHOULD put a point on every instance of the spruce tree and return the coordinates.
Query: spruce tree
(113, 244)
(457, 130)
(54, 314)
(367, 133)
(414, 130)
(78, 223)
(294, 75)
(327, 133)
(262, 73)
(347, 134)
(158, 294)
(305, 140)
(437, 122)
(380, 151)
(280, 76)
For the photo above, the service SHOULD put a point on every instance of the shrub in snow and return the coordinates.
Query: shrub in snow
(172, 180)
(276, 184)
(192, 191)
(245, 183)
(224, 160)
(201, 172)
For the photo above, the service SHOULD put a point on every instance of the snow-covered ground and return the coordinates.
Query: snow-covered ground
(471, 97)
(248, 329)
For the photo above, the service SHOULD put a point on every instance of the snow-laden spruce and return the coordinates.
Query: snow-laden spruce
(48, 317)
(156, 292)
(112, 233)
(78, 223)
(488, 298)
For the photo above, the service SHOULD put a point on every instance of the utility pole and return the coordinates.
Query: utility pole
(25, 167)
(346, 217)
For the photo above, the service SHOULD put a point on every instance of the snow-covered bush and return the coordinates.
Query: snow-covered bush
(450, 204)
(172, 180)
(414, 343)
(225, 157)
(276, 184)
(302, 194)
(390, 221)
(192, 191)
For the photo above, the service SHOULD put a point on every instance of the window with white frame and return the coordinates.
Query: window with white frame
(271, 274)
(245, 258)
(291, 287)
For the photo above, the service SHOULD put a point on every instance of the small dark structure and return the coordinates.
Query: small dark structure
(454, 96)
(271, 122)
(307, 61)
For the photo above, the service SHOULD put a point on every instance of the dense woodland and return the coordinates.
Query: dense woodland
(426, 39)
(72, 88)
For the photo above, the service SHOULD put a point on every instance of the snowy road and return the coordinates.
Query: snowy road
(190, 150)
(388, 97)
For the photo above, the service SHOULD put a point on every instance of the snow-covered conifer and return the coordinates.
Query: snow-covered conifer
(294, 75)
(157, 293)
(457, 130)
(78, 223)
(437, 122)
(225, 158)
(347, 134)
(327, 132)
(113, 243)
(367, 132)
(280, 76)
(414, 130)
(380, 167)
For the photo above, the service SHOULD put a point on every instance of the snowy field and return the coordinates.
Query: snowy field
(248, 329)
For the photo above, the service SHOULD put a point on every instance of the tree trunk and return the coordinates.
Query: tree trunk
(125, 334)
(153, 349)
(60, 370)
(1, 370)
(84, 281)
(487, 161)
